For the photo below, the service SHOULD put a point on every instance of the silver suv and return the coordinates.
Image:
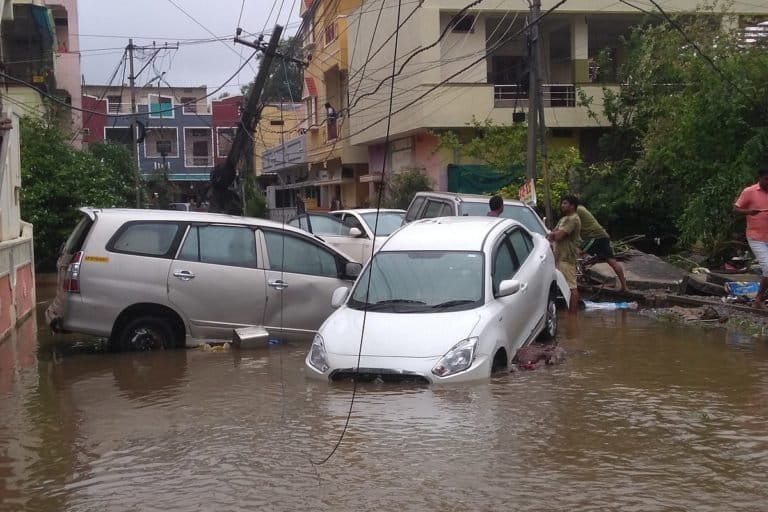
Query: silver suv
(161, 279)
(426, 205)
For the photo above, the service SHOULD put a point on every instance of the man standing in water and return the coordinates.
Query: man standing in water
(567, 235)
(599, 243)
(753, 203)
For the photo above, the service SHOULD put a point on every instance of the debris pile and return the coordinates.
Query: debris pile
(532, 356)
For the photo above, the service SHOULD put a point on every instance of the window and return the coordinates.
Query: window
(520, 245)
(234, 246)
(145, 238)
(463, 24)
(161, 106)
(436, 209)
(312, 112)
(330, 33)
(503, 265)
(519, 212)
(413, 211)
(225, 137)
(118, 135)
(190, 105)
(300, 256)
(159, 141)
(86, 132)
(113, 104)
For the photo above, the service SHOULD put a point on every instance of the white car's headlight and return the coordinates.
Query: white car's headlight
(317, 354)
(458, 359)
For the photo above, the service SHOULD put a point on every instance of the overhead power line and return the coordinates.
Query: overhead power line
(140, 114)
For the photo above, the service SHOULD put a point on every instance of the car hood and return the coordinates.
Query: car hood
(397, 334)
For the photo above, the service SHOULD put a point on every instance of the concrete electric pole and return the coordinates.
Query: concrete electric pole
(134, 124)
(533, 86)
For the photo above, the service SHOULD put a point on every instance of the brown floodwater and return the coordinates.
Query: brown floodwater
(642, 416)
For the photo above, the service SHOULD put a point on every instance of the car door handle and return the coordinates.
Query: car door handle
(524, 287)
(278, 284)
(184, 275)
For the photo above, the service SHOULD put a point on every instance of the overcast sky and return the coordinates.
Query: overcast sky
(106, 25)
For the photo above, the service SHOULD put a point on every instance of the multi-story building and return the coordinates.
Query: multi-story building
(332, 167)
(278, 122)
(29, 32)
(183, 135)
(478, 70)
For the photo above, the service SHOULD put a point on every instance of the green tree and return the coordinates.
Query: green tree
(255, 202)
(284, 82)
(505, 147)
(403, 185)
(58, 179)
(686, 134)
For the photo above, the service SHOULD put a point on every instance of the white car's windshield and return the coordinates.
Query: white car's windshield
(388, 222)
(320, 225)
(420, 282)
(520, 213)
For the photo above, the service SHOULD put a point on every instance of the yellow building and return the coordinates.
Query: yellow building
(278, 123)
(334, 165)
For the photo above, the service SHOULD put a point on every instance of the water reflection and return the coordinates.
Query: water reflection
(642, 416)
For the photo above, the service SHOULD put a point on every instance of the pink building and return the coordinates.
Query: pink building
(226, 116)
(66, 59)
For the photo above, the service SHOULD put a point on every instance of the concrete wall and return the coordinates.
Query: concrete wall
(17, 280)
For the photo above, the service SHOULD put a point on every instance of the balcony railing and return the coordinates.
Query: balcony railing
(198, 161)
(553, 95)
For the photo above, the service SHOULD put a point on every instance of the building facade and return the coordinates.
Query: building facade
(180, 133)
(332, 166)
(477, 71)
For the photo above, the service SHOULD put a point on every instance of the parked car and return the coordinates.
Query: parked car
(351, 231)
(450, 299)
(426, 205)
(161, 279)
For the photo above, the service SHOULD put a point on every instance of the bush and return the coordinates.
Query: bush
(58, 179)
(403, 185)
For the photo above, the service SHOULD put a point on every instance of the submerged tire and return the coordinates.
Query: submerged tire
(146, 333)
(550, 323)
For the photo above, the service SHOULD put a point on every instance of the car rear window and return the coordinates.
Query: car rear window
(145, 238)
(413, 210)
(520, 213)
(76, 240)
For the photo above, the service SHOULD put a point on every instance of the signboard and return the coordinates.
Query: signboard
(527, 192)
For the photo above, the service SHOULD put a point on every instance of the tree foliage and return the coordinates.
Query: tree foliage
(504, 147)
(284, 82)
(686, 134)
(58, 179)
(403, 185)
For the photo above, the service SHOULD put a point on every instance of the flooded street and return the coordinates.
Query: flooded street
(641, 416)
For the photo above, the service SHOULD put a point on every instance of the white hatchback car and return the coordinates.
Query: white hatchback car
(444, 300)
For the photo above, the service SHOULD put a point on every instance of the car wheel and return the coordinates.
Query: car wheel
(550, 323)
(146, 333)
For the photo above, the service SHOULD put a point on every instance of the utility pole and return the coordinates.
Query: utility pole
(134, 135)
(224, 200)
(134, 123)
(533, 86)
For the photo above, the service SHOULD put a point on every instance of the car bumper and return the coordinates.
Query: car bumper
(397, 368)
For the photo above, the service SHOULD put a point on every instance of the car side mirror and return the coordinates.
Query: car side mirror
(339, 296)
(355, 232)
(509, 287)
(352, 269)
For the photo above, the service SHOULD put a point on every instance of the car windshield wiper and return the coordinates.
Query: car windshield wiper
(400, 301)
(384, 304)
(451, 303)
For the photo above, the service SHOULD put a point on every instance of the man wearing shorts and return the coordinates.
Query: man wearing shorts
(753, 203)
(566, 236)
(599, 243)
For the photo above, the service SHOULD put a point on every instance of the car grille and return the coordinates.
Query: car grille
(382, 374)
